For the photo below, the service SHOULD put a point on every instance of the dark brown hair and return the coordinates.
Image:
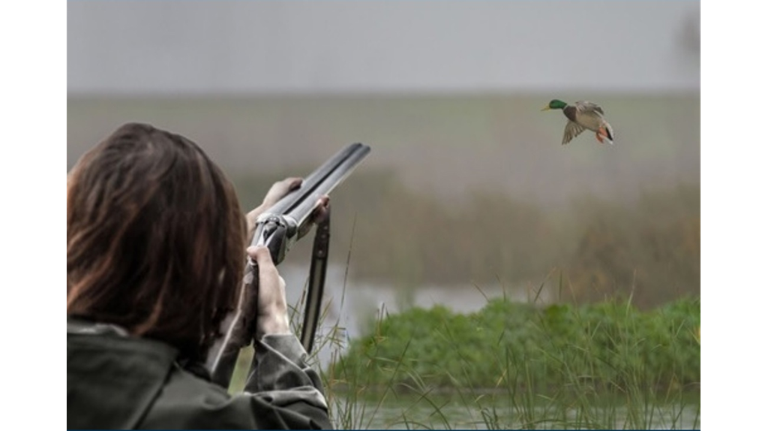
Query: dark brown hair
(155, 238)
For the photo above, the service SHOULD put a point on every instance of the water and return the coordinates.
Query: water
(353, 304)
(488, 412)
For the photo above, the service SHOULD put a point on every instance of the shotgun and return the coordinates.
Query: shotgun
(278, 228)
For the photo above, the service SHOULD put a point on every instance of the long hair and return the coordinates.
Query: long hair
(155, 238)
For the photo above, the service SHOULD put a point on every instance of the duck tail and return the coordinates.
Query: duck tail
(609, 132)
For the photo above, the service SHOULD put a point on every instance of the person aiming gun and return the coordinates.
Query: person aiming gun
(155, 262)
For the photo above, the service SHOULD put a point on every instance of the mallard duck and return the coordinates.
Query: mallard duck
(585, 115)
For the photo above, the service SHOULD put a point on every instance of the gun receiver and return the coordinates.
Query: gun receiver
(278, 228)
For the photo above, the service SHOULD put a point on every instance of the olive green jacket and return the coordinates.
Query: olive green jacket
(115, 381)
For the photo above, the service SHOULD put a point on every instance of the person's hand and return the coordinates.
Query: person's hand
(273, 308)
(322, 210)
(275, 193)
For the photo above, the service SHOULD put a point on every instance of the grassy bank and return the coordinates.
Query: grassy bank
(515, 365)
(512, 365)
(609, 346)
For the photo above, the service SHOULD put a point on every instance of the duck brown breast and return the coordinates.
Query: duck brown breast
(570, 112)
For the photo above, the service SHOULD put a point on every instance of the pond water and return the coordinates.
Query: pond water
(498, 412)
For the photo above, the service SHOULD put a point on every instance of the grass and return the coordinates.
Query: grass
(519, 366)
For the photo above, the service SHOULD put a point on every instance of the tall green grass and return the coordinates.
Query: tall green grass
(519, 365)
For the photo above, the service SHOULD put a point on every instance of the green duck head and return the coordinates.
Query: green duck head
(555, 104)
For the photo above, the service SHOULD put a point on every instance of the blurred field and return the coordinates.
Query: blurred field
(443, 143)
(465, 190)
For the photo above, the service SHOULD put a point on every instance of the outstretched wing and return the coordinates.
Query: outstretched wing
(572, 130)
(584, 106)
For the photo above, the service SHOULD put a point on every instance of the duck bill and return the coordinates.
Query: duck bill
(546, 108)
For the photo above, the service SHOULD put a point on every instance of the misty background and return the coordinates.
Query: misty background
(242, 47)
(467, 186)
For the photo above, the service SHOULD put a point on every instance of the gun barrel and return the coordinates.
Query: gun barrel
(325, 179)
(294, 210)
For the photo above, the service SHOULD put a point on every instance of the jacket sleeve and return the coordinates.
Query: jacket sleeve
(280, 376)
(281, 392)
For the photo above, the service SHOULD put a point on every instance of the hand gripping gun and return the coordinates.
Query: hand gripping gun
(278, 228)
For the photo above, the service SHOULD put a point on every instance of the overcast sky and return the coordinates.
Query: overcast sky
(169, 47)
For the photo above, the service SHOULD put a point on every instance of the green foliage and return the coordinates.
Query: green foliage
(609, 346)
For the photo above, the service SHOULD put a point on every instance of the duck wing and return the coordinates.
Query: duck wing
(572, 130)
(584, 107)
(590, 115)
(593, 118)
